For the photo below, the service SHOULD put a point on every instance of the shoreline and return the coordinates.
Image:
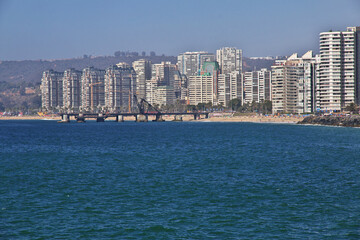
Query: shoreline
(253, 119)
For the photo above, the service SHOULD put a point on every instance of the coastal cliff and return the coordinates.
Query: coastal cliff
(333, 120)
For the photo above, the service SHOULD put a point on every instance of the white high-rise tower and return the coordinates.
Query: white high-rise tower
(339, 73)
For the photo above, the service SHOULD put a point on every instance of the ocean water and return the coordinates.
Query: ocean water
(178, 180)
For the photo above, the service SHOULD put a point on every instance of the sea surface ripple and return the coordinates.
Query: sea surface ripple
(178, 180)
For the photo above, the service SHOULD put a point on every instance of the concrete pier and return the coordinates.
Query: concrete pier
(159, 119)
(119, 118)
(80, 118)
(141, 118)
(65, 118)
(178, 118)
(100, 118)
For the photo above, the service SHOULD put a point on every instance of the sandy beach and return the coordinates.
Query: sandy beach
(29, 117)
(258, 119)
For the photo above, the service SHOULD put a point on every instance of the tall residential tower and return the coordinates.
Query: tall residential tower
(229, 59)
(339, 70)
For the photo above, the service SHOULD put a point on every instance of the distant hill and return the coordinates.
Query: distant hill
(256, 64)
(30, 71)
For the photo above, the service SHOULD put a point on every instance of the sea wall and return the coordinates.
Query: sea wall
(333, 120)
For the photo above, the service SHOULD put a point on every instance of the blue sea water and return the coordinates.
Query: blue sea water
(178, 180)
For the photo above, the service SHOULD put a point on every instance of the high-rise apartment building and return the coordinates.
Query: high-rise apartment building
(307, 84)
(164, 73)
(284, 88)
(235, 85)
(51, 90)
(92, 89)
(223, 91)
(201, 89)
(119, 88)
(190, 63)
(142, 68)
(229, 59)
(72, 89)
(293, 84)
(164, 95)
(339, 70)
(257, 86)
(151, 86)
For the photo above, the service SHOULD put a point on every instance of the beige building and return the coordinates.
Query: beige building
(119, 88)
(293, 84)
(72, 89)
(92, 89)
(201, 89)
(164, 95)
(51, 90)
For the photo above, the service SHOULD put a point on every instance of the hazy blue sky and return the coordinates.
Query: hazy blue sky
(49, 29)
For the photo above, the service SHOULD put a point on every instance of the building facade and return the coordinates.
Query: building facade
(201, 89)
(72, 89)
(119, 88)
(257, 86)
(92, 89)
(190, 63)
(293, 84)
(142, 68)
(229, 59)
(338, 83)
(164, 95)
(223, 91)
(51, 90)
(235, 85)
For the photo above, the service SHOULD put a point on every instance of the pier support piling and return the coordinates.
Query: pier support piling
(80, 118)
(119, 118)
(100, 118)
(64, 119)
(141, 118)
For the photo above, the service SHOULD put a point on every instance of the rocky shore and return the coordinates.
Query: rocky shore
(333, 120)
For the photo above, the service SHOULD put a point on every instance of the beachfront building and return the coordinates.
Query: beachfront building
(72, 89)
(119, 88)
(92, 89)
(223, 96)
(190, 63)
(257, 86)
(51, 90)
(307, 87)
(142, 68)
(225, 87)
(235, 85)
(201, 89)
(229, 59)
(339, 71)
(293, 84)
